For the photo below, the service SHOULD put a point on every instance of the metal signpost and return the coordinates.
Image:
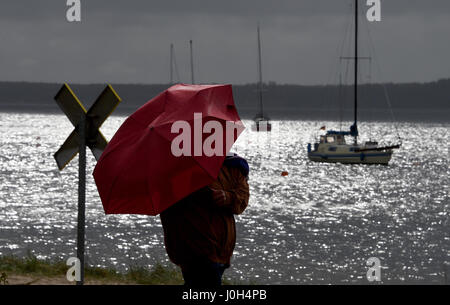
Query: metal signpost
(85, 133)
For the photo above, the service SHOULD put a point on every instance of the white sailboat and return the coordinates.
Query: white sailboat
(332, 146)
(261, 122)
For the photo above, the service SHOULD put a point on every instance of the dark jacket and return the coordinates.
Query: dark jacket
(198, 228)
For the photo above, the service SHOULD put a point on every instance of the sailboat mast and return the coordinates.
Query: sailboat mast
(171, 63)
(261, 109)
(192, 62)
(356, 64)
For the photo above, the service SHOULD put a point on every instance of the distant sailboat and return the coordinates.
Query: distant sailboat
(261, 122)
(173, 67)
(332, 146)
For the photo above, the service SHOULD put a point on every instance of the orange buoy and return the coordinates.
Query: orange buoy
(284, 173)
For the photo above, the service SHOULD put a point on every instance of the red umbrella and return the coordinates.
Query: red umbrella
(162, 152)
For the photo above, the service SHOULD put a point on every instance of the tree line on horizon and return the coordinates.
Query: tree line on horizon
(409, 101)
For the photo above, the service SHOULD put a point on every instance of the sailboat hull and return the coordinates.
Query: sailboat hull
(262, 126)
(368, 157)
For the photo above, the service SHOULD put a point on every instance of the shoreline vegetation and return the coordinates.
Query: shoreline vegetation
(30, 270)
(410, 102)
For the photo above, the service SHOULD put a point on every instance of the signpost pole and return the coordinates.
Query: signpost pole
(81, 195)
(87, 124)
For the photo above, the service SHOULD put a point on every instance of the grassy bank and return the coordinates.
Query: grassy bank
(31, 270)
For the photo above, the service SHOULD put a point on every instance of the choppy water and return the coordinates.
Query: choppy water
(319, 224)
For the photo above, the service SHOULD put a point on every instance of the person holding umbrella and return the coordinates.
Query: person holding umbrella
(196, 194)
(199, 230)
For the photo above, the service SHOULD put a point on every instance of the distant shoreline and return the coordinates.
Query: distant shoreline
(411, 102)
(412, 115)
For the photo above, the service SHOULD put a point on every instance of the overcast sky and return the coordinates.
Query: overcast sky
(129, 41)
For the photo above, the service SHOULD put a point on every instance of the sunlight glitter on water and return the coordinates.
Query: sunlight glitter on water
(318, 224)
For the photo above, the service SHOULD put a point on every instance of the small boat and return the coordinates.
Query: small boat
(332, 146)
(261, 122)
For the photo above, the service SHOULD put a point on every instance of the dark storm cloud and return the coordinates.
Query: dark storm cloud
(25, 9)
(128, 41)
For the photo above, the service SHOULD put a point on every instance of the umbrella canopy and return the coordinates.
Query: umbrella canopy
(172, 146)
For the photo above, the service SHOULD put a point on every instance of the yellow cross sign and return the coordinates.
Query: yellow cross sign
(103, 106)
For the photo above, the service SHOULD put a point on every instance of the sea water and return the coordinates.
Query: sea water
(318, 224)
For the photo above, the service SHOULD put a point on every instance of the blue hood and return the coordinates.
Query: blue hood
(237, 162)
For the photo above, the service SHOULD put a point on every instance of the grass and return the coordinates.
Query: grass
(32, 266)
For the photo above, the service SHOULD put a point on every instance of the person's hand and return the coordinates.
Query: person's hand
(219, 196)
